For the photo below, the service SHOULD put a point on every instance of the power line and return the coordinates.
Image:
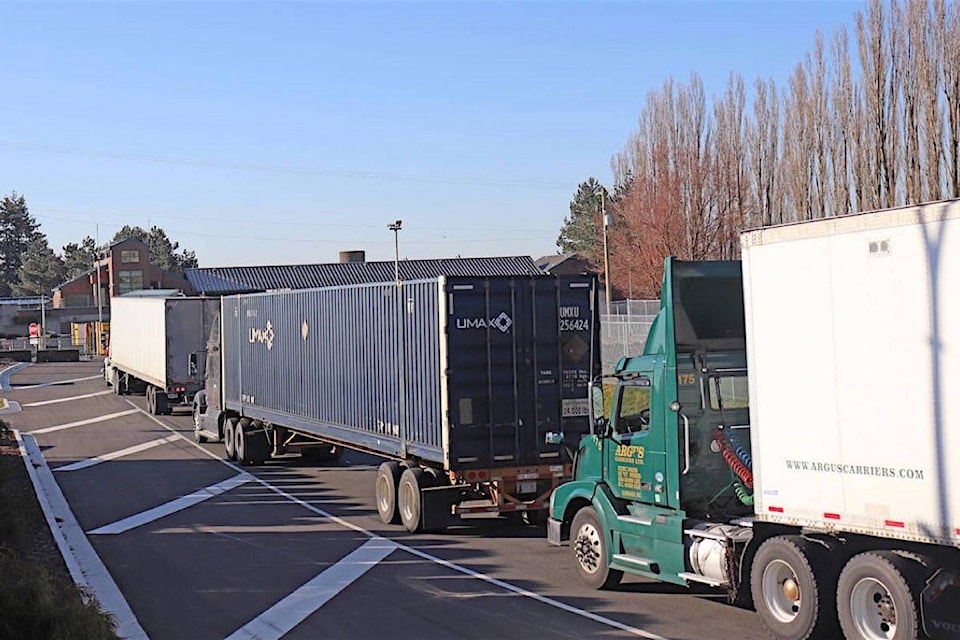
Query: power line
(261, 238)
(272, 222)
(288, 169)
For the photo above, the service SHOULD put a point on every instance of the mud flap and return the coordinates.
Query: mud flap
(555, 532)
(436, 507)
(939, 604)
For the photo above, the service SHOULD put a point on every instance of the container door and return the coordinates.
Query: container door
(483, 365)
(579, 358)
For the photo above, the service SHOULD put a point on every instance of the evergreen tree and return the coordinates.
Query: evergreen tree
(40, 270)
(582, 231)
(163, 251)
(17, 230)
(78, 258)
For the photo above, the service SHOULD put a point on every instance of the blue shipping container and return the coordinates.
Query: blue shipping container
(466, 372)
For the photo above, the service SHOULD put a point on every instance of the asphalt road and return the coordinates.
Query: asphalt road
(201, 548)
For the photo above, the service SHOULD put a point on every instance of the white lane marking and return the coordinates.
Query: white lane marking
(59, 400)
(9, 406)
(426, 556)
(279, 619)
(86, 568)
(113, 455)
(9, 371)
(80, 423)
(58, 382)
(173, 506)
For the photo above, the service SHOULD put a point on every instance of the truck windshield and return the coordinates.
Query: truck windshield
(729, 392)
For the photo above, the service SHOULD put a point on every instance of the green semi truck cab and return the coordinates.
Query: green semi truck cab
(663, 484)
(824, 491)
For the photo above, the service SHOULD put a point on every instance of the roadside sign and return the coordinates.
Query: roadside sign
(34, 330)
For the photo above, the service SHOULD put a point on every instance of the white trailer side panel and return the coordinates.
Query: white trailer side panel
(138, 338)
(853, 346)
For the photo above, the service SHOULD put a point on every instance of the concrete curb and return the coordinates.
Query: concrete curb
(85, 566)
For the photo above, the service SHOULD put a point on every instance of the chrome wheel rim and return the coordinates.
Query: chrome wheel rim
(781, 591)
(873, 610)
(383, 492)
(406, 501)
(588, 548)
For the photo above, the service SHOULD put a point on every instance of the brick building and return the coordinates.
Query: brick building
(124, 266)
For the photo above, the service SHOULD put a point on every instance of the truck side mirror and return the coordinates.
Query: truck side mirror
(598, 421)
(193, 364)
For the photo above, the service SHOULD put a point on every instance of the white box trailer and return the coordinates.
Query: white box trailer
(853, 347)
(157, 346)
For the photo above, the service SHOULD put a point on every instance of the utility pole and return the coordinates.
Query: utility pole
(401, 347)
(43, 320)
(606, 246)
(99, 293)
(395, 227)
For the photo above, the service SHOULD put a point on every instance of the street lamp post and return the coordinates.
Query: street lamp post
(401, 347)
(605, 220)
(395, 227)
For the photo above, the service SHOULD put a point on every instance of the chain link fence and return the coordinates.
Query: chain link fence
(624, 328)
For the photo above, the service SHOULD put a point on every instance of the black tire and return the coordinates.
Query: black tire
(229, 431)
(240, 445)
(437, 477)
(794, 586)
(150, 407)
(588, 543)
(409, 502)
(160, 403)
(878, 596)
(388, 478)
(240, 435)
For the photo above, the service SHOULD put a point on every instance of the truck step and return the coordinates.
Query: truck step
(643, 522)
(636, 562)
(696, 577)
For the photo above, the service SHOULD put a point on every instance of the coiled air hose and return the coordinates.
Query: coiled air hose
(739, 461)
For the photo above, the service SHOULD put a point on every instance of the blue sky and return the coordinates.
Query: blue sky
(273, 133)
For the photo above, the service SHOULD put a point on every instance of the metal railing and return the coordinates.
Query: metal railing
(623, 331)
(24, 344)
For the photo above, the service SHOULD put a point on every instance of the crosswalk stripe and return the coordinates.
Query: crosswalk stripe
(84, 464)
(80, 423)
(279, 619)
(43, 403)
(173, 506)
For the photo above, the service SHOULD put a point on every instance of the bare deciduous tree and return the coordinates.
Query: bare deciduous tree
(949, 50)
(842, 129)
(850, 131)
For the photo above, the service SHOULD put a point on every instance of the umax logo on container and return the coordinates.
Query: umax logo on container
(502, 322)
(263, 336)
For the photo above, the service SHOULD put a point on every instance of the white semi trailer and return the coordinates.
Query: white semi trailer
(157, 347)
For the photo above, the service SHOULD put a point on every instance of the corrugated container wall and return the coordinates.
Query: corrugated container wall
(483, 368)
